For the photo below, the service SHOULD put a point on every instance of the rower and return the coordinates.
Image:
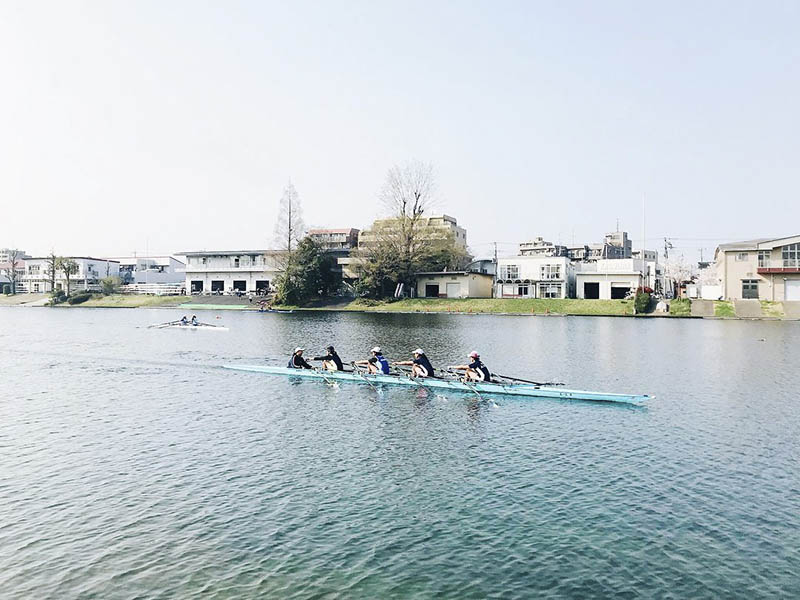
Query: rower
(297, 361)
(194, 320)
(376, 364)
(184, 320)
(420, 365)
(475, 370)
(331, 360)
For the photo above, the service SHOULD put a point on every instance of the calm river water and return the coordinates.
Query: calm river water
(133, 466)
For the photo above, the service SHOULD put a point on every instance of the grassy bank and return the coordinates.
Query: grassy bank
(131, 301)
(521, 306)
(20, 299)
(680, 307)
(723, 308)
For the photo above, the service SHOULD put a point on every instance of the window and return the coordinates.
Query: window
(741, 256)
(763, 258)
(750, 288)
(550, 272)
(236, 263)
(791, 255)
(509, 272)
(550, 290)
(205, 260)
(522, 290)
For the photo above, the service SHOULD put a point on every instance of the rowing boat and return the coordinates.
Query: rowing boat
(510, 389)
(198, 327)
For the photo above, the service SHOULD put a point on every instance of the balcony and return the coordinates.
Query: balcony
(772, 267)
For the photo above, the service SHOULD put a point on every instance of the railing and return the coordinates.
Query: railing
(779, 266)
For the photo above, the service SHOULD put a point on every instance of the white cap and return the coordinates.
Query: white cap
(419, 351)
(474, 354)
(377, 349)
(296, 350)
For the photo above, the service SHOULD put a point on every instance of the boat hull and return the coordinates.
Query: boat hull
(195, 327)
(522, 390)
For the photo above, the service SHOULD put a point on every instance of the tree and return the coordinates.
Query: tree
(405, 243)
(69, 267)
(110, 285)
(309, 274)
(289, 227)
(13, 259)
(52, 269)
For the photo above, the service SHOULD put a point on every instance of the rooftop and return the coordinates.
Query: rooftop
(230, 252)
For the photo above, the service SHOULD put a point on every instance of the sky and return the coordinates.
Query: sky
(167, 126)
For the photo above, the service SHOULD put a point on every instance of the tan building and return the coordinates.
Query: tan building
(435, 228)
(454, 284)
(766, 269)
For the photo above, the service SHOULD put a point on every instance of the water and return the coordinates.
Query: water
(133, 466)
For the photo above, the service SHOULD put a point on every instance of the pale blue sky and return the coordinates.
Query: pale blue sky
(175, 125)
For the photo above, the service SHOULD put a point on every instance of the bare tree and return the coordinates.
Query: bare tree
(69, 267)
(289, 227)
(52, 269)
(13, 260)
(408, 195)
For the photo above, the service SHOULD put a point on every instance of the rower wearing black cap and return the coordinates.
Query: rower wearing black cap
(331, 360)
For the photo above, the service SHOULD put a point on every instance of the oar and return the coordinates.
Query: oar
(322, 374)
(527, 380)
(465, 381)
(357, 371)
(167, 324)
(414, 379)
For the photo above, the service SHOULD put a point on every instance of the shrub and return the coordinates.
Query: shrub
(79, 298)
(642, 302)
(57, 297)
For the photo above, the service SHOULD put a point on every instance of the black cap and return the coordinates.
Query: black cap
(329, 348)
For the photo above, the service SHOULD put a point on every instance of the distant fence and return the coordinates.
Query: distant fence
(155, 289)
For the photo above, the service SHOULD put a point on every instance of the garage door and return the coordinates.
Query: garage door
(793, 290)
(453, 290)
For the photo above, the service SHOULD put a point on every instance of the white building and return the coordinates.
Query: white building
(87, 277)
(653, 270)
(229, 271)
(535, 277)
(610, 279)
(137, 270)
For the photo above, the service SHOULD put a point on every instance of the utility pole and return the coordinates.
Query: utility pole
(494, 286)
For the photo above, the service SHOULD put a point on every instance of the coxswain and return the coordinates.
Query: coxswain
(420, 365)
(331, 360)
(375, 364)
(475, 370)
(297, 361)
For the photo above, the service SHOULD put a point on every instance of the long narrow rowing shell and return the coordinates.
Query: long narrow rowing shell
(199, 327)
(511, 389)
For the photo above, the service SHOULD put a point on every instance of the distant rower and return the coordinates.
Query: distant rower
(297, 361)
(420, 365)
(331, 360)
(184, 320)
(194, 320)
(476, 370)
(377, 363)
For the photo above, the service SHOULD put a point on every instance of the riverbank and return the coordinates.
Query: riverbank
(683, 308)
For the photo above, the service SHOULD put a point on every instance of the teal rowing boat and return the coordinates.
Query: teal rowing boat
(455, 385)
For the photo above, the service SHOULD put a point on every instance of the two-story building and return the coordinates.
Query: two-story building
(535, 277)
(37, 277)
(335, 240)
(231, 271)
(138, 270)
(766, 269)
(610, 279)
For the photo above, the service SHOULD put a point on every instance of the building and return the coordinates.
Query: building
(90, 271)
(765, 269)
(653, 270)
(137, 270)
(610, 279)
(539, 247)
(335, 240)
(535, 277)
(433, 228)
(5, 254)
(230, 271)
(454, 284)
(614, 245)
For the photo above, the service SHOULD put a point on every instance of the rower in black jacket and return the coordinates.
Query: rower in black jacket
(331, 360)
(297, 361)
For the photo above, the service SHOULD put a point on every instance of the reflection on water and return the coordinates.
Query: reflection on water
(131, 463)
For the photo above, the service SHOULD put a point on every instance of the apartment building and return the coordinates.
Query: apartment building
(433, 228)
(87, 276)
(765, 269)
(335, 240)
(535, 277)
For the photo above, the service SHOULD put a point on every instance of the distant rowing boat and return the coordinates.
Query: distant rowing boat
(189, 326)
(274, 310)
(509, 389)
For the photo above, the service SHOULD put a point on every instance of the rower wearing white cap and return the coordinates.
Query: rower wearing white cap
(297, 361)
(376, 363)
(475, 370)
(420, 365)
